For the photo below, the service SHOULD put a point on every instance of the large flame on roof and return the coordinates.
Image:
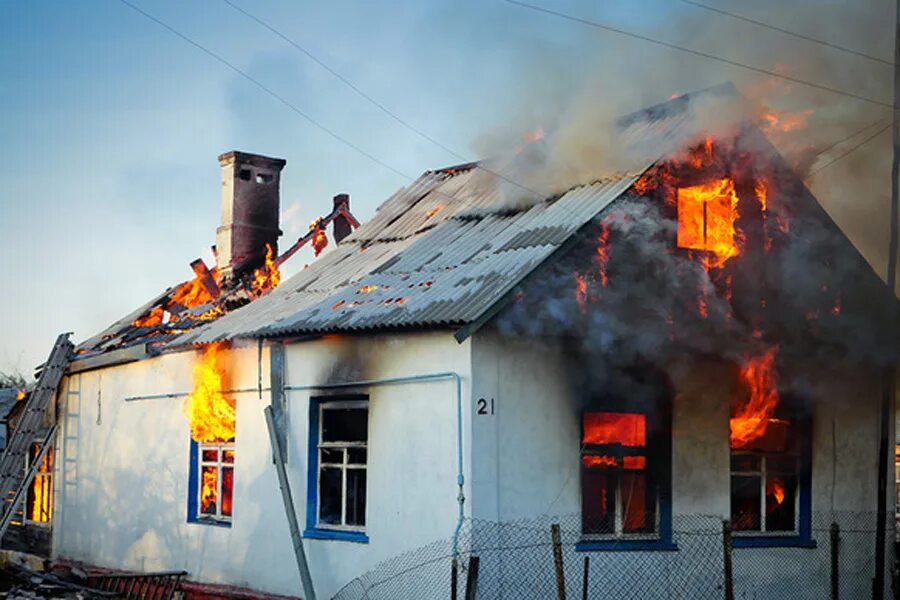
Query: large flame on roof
(752, 417)
(210, 414)
(267, 276)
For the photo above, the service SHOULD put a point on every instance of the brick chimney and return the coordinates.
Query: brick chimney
(250, 212)
(341, 226)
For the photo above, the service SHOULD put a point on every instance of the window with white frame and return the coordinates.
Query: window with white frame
(342, 456)
(215, 484)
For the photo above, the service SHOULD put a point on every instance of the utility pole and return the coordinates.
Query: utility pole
(889, 377)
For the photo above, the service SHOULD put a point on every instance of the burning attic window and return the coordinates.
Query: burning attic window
(623, 471)
(212, 418)
(706, 217)
(342, 442)
(39, 499)
(767, 441)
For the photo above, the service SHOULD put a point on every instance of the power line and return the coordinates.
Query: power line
(269, 91)
(787, 31)
(361, 93)
(852, 149)
(699, 53)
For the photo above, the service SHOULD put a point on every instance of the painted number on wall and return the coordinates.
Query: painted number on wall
(485, 407)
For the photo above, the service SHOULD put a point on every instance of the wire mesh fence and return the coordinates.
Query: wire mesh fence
(831, 557)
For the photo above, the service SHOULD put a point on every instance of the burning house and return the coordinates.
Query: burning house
(690, 334)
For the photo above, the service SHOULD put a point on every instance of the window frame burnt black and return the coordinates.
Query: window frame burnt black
(318, 461)
(658, 471)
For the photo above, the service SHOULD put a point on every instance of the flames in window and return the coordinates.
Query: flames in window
(706, 217)
(39, 503)
(752, 418)
(212, 419)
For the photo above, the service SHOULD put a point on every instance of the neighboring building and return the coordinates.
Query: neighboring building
(626, 404)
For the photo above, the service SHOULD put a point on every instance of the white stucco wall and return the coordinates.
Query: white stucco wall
(526, 465)
(123, 466)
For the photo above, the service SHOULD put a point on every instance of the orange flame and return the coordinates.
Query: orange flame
(433, 211)
(761, 194)
(209, 491)
(154, 317)
(603, 254)
(42, 491)
(581, 291)
(20, 395)
(319, 241)
(367, 289)
(210, 414)
(267, 276)
(775, 488)
(706, 217)
(627, 429)
(771, 121)
(752, 418)
(529, 137)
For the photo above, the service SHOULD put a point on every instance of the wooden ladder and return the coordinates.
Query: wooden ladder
(36, 425)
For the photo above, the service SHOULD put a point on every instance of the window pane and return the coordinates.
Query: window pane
(785, 465)
(344, 425)
(745, 463)
(357, 456)
(330, 495)
(598, 501)
(209, 491)
(211, 455)
(332, 456)
(227, 489)
(745, 507)
(356, 497)
(228, 456)
(627, 429)
(638, 514)
(780, 493)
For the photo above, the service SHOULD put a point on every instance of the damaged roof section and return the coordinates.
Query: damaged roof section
(441, 252)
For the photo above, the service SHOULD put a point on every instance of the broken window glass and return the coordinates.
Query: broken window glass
(343, 439)
(619, 492)
(765, 480)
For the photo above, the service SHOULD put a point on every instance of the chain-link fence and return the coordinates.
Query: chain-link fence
(549, 557)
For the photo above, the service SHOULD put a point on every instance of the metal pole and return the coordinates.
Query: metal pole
(726, 560)
(472, 579)
(835, 561)
(309, 593)
(558, 562)
(584, 578)
(889, 375)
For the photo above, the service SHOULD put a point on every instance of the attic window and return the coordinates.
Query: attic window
(245, 174)
(706, 216)
(264, 178)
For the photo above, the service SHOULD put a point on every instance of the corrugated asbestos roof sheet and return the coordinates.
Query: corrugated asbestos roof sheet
(442, 251)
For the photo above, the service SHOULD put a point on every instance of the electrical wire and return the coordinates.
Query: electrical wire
(851, 150)
(787, 31)
(699, 53)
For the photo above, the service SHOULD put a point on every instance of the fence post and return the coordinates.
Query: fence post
(584, 579)
(726, 560)
(472, 579)
(835, 560)
(453, 579)
(558, 562)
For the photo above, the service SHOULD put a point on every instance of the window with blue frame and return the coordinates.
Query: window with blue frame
(626, 473)
(771, 471)
(339, 435)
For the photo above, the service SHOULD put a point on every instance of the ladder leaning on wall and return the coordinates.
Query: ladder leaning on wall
(36, 425)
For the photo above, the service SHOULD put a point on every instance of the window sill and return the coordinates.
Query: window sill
(336, 534)
(772, 541)
(211, 522)
(625, 545)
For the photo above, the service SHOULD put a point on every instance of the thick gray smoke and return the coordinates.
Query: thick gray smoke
(577, 110)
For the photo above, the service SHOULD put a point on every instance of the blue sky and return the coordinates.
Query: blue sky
(111, 125)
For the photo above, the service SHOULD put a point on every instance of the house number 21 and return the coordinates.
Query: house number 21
(484, 406)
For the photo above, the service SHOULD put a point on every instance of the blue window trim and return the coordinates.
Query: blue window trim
(625, 545)
(313, 531)
(772, 541)
(193, 483)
